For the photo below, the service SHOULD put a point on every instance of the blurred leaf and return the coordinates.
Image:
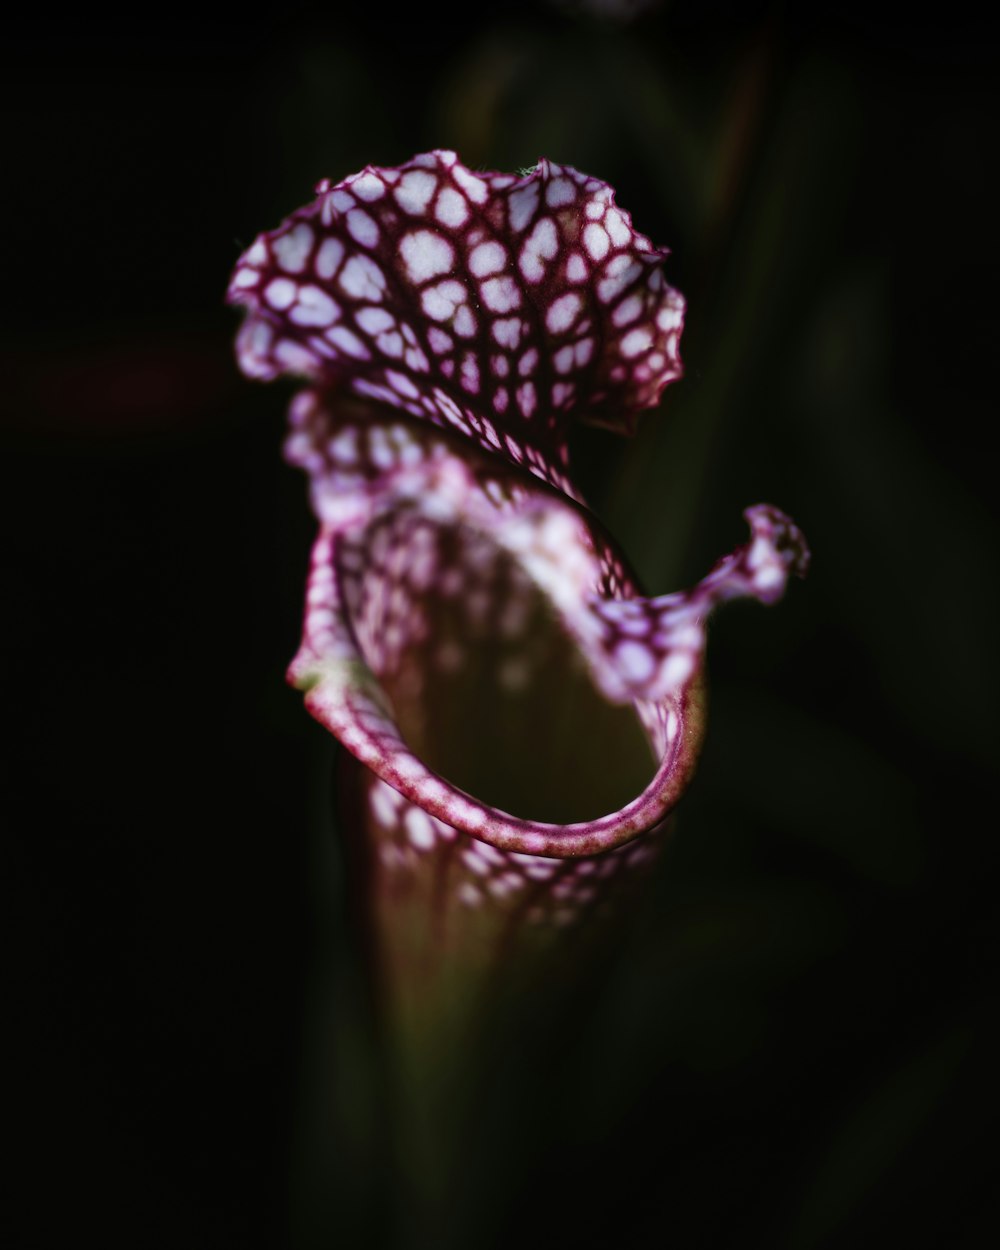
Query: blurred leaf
(873, 1138)
(732, 339)
(905, 546)
(820, 786)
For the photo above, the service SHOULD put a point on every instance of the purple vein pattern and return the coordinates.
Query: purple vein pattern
(449, 326)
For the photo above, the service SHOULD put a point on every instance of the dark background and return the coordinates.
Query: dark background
(787, 1049)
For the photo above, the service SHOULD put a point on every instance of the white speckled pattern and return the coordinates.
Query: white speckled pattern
(450, 326)
(424, 296)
